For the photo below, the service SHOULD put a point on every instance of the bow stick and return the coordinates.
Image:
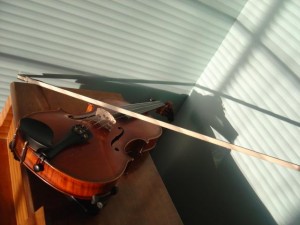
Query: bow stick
(181, 130)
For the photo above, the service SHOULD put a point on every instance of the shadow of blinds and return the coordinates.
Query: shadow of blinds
(256, 72)
(169, 41)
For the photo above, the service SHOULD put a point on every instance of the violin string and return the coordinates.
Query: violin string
(141, 107)
(97, 124)
(138, 108)
(141, 104)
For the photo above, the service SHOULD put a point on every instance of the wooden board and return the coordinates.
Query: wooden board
(142, 197)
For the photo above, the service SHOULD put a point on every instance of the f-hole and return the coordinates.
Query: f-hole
(117, 138)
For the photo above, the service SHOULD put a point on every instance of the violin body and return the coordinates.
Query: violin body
(86, 167)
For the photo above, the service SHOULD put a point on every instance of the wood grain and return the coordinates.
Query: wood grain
(13, 207)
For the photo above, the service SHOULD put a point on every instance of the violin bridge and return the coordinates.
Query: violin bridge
(105, 118)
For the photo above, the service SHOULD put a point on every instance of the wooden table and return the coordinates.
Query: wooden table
(142, 198)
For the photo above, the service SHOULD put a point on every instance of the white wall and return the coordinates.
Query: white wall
(162, 44)
(256, 73)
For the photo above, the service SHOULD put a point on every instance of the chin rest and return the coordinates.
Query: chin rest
(39, 136)
(37, 133)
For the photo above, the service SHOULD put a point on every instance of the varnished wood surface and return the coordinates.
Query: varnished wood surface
(16, 204)
(37, 218)
(7, 210)
(142, 197)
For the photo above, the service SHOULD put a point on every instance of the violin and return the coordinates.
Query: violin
(85, 155)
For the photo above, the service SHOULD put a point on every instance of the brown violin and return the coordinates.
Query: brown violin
(85, 155)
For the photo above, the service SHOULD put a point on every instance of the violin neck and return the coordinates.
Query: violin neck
(144, 106)
(137, 108)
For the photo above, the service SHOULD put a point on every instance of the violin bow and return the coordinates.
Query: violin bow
(169, 126)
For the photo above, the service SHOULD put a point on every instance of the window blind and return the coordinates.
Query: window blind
(169, 42)
(256, 72)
